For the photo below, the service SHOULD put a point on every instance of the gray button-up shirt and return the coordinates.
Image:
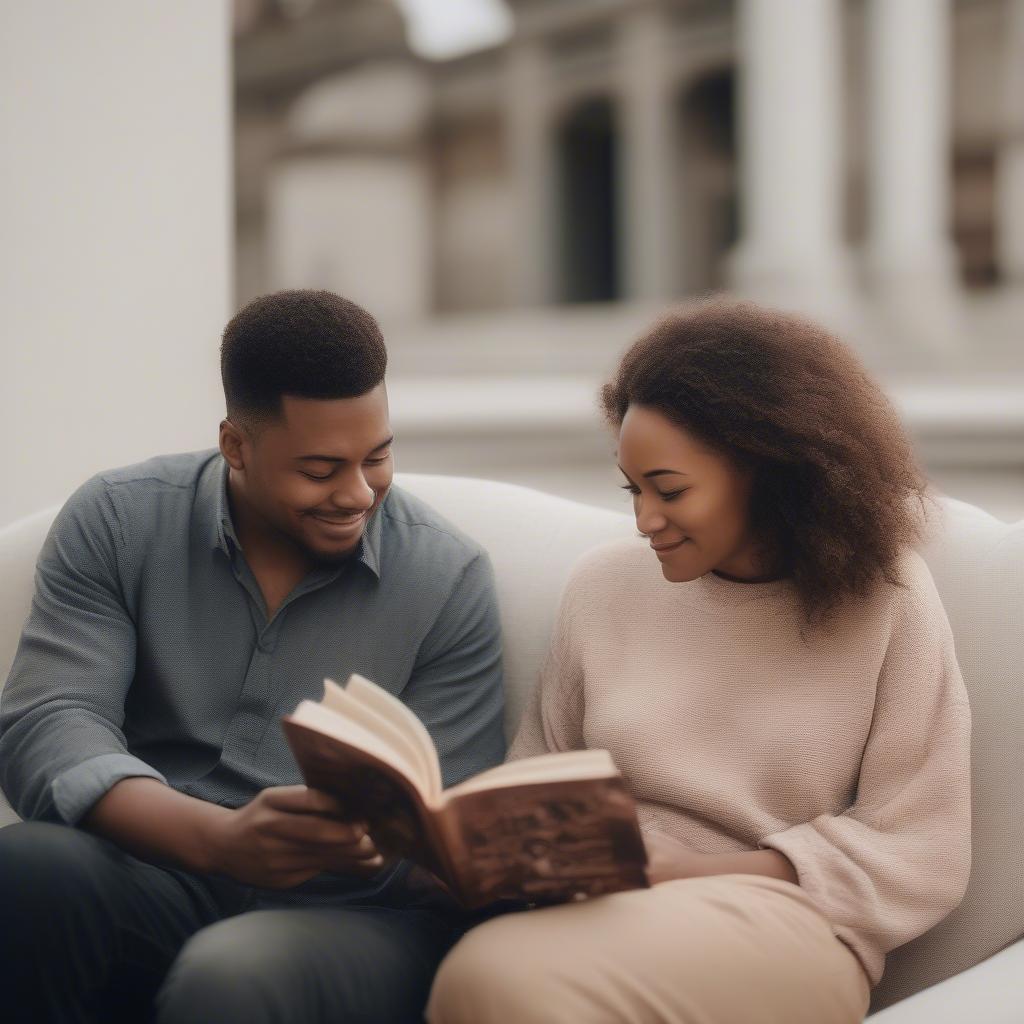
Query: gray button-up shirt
(148, 651)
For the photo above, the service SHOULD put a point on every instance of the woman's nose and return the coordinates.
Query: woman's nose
(649, 521)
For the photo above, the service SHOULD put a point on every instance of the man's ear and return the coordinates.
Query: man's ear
(232, 443)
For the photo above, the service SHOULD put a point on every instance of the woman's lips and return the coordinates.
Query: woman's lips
(666, 549)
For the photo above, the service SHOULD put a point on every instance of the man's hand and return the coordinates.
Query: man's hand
(286, 835)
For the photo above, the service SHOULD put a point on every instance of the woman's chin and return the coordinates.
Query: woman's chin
(675, 574)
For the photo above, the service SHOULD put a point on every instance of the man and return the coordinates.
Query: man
(182, 606)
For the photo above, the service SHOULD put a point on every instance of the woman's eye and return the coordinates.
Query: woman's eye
(670, 495)
(630, 488)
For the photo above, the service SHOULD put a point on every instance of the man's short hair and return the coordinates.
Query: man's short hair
(307, 343)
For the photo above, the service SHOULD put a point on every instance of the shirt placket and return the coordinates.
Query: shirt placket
(257, 701)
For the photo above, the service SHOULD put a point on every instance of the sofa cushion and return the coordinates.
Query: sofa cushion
(533, 540)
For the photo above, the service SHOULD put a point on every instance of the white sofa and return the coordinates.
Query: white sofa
(971, 967)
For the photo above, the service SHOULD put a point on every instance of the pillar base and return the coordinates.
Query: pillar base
(917, 300)
(820, 286)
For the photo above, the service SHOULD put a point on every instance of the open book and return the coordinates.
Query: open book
(549, 828)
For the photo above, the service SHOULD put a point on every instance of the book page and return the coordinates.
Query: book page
(352, 705)
(390, 707)
(316, 716)
(558, 767)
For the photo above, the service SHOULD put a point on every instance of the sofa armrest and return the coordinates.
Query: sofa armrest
(7, 815)
(989, 993)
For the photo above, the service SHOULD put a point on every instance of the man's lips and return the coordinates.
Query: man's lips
(334, 522)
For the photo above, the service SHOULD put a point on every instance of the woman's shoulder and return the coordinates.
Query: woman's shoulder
(612, 566)
(611, 557)
(907, 591)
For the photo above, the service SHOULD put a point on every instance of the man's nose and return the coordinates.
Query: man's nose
(353, 493)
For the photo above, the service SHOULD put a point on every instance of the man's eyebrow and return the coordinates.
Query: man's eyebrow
(335, 458)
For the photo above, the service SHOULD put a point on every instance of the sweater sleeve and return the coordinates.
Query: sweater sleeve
(553, 719)
(896, 862)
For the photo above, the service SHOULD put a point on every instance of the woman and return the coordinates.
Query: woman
(782, 699)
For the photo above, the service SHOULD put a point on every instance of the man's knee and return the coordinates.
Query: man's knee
(224, 973)
(44, 870)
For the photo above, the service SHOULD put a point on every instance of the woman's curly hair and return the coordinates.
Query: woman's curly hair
(837, 491)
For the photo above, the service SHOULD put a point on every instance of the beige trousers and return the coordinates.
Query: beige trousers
(729, 949)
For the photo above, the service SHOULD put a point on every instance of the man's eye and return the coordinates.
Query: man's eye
(314, 476)
(377, 462)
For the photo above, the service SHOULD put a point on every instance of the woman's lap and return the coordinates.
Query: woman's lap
(719, 950)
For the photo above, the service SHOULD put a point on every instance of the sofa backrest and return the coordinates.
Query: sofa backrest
(978, 565)
(533, 540)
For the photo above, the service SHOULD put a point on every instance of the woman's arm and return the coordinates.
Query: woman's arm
(669, 859)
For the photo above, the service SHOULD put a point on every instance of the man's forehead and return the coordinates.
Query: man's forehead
(335, 426)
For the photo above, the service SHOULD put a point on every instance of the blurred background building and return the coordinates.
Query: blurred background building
(516, 214)
(515, 202)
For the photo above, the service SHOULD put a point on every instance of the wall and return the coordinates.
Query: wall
(114, 236)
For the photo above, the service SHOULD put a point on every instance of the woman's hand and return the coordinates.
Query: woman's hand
(668, 858)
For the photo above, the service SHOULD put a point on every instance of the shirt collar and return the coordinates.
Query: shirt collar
(213, 495)
(223, 534)
(369, 546)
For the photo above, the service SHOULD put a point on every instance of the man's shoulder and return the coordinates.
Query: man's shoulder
(143, 492)
(181, 469)
(417, 533)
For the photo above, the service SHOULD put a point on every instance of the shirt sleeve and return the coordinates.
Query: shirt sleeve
(553, 718)
(62, 708)
(456, 683)
(895, 863)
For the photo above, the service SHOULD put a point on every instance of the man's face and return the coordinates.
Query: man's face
(318, 472)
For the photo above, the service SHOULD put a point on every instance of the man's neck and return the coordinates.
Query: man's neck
(262, 544)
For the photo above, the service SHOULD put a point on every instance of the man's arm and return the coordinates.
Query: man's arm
(62, 709)
(456, 683)
(63, 754)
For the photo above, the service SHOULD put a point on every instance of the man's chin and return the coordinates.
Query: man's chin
(333, 554)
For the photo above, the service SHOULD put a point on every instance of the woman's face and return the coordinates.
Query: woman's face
(691, 502)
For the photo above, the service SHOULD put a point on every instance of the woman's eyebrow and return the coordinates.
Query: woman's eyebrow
(664, 472)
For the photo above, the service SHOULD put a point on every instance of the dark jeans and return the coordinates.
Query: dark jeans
(90, 933)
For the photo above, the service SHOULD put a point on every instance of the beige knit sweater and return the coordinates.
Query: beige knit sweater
(848, 751)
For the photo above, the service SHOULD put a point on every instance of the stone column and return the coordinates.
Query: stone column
(790, 128)
(531, 164)
(648, 225)
(909, 255)
(1010, 168)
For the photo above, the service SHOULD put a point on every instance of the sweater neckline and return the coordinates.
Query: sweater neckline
(722, 591)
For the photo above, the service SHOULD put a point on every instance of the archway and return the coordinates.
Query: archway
(588, 255)
(709, 199)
